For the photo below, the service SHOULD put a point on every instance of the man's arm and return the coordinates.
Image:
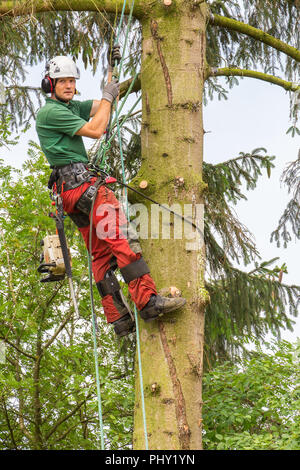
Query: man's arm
(101, 109)
(97, 126)
(95, 107)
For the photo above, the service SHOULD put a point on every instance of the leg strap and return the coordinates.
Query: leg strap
(135, 270)
(81, 220)
(84, 203)
(109, 285)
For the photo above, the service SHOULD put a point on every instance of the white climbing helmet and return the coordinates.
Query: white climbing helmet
(62, 66)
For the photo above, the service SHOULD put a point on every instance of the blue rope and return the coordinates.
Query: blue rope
(104, 148)
(117, 111)
(94, 323)
(94, 320)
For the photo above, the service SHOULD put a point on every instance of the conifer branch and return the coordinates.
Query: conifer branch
(234, 71)
(23, 87)
(255, 33)
(291, 215)
(125, 85)
(25, 7)
(294, 3)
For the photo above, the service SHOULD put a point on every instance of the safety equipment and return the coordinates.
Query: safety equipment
(62, 67)
(85, 202)
(74, 175)
(158, 306)
(134, 270)
(110, 286)
(58, 67)
(111, 90)
(70, 176)
(48, 84)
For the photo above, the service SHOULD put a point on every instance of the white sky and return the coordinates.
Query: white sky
(255, 115)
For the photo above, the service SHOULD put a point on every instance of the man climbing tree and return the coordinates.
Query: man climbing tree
(184, 46)
(60, 125)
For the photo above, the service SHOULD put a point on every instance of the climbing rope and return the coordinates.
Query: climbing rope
(95, 330)
(117, 113)
(102, 156)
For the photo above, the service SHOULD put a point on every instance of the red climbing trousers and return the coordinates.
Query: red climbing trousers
(109, 241)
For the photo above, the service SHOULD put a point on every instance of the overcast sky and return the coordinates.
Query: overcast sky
(255, 115)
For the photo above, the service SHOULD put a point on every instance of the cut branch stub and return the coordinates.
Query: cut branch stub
(143, 184)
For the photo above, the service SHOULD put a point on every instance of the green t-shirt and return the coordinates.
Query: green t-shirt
(56, 125)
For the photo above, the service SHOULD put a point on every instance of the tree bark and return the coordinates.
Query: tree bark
(21, 7)
(172, 77)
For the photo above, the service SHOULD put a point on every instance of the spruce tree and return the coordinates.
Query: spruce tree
(186, 46)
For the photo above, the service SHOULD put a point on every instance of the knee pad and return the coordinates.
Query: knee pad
(110, 286)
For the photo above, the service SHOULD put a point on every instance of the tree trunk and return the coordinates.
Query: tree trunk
(172, 77)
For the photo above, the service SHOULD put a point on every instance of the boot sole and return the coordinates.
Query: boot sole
(171, 309)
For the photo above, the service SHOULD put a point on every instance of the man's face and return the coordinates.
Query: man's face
(65, 88)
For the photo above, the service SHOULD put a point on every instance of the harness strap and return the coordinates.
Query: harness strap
(84, 203)
(109, 285)
(135, 270)
(70, 176)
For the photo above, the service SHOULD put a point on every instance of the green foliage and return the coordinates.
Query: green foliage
(225, 182)
(254, 405)
(30, 40)
(277, 18)
(242, 303)
(291, 215)
(227, 48)
(5, 134)
(246, 305)
(48, 391)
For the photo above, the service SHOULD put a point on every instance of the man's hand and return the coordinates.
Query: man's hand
(111, 91)
(113, 56)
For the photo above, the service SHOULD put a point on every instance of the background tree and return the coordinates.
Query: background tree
(47, 380)
(254, 405)
(187, 42)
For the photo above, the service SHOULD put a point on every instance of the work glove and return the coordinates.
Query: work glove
(113, 56)
(111, 90)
